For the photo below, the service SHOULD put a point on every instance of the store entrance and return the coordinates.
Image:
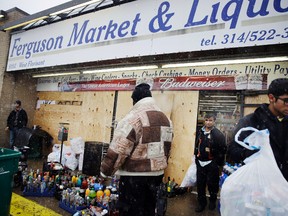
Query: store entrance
(225, 105)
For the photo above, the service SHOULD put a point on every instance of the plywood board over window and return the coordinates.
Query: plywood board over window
(97, 111)
(184, 118)
(257, 99)
(90, 116)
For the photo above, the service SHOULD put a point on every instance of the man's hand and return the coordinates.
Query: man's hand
(102, 178)
(7, 128)
(247, 153)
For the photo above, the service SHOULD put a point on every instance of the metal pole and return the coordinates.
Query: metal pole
(61, 151)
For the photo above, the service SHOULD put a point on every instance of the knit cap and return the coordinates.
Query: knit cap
(141, 91)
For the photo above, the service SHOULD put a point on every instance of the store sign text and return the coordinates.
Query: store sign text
(41, 47)
(188, 83)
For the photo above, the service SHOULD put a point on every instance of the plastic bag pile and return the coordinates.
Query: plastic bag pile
(72, 156)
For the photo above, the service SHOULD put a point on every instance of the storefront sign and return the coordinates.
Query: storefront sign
(240, 76)
(255, 82)
(150, 27)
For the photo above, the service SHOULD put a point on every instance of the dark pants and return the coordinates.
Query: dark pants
(207, 175)
(13, 133)
(137, 195)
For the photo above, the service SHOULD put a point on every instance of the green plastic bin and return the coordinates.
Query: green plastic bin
(8, 166)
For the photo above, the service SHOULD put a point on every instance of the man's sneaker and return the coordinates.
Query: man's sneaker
(212, 206)
(200, 208)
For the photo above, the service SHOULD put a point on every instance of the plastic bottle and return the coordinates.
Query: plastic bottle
(169, 185)
(222, 179)
(43, 186)
(74, 180)
(230, 169)
(78, 181)
(225, 168)
(107, 192)
(84, 184)
(92, 193)
(99, 195)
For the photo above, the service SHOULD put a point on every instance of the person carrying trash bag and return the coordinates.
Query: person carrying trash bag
(258, 187)
(272, 116)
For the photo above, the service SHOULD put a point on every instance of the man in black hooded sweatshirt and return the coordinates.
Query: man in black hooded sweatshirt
(272, 116)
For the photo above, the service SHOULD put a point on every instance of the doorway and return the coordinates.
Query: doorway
(225, 105)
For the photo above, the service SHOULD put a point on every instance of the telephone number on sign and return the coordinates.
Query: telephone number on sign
(251, 36)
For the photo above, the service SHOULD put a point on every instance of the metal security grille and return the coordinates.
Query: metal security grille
(225, 105)
(225, 102)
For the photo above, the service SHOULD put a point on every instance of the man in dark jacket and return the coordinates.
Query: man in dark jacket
(15, 121)
(272, 116)
(210, 150)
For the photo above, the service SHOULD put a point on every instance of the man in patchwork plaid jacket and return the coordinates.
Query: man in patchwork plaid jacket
(139, 153)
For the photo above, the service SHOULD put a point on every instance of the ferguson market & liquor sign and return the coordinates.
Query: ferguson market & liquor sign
(142, 28)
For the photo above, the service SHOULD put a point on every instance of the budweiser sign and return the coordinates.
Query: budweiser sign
(194, 83)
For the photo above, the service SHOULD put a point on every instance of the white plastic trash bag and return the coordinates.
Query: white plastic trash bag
(77, 145)
(56, 147)
(190, 176)
(53, 156)
(71, 161)
(258, 187)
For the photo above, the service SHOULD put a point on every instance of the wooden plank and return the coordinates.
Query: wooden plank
(62, 117)
(165, 101)
(68, 96)
(91, 121)
(97, 111)
(124, 104)
(184, 118)
(259, 99)
(48, 116)
(61, 108)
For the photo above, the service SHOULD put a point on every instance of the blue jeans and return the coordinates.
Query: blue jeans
(13, 134)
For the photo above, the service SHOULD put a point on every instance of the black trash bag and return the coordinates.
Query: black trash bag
(47, 139)
(33, 138)
(23, 136)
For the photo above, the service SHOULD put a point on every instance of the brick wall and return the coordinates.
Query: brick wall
(13, 85)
